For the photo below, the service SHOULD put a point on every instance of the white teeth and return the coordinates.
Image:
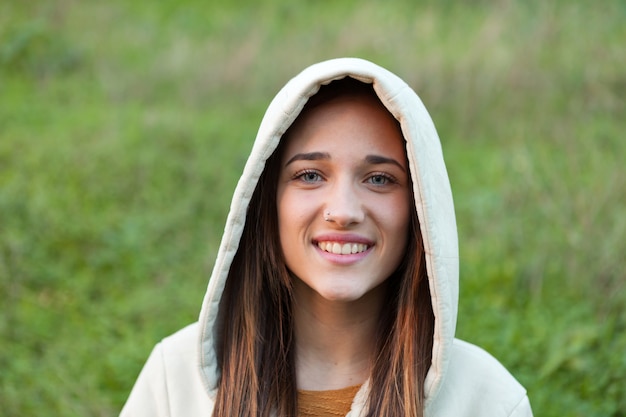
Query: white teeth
(336, 248)
(339, 249)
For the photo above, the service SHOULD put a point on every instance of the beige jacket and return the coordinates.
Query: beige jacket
(181, 374)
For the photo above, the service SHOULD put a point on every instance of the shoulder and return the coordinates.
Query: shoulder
(169, 383)
(472, 362)
(476, 383)
(182, 344)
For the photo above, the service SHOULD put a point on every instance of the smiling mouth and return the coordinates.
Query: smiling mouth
(342, 248)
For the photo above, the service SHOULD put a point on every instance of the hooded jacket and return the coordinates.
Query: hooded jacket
(181, 375)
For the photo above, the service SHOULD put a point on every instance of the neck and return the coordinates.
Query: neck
(334, 340)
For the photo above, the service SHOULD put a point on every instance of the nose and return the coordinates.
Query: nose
(344, 206)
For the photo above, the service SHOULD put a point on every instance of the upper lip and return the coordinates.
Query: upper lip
(343, 238)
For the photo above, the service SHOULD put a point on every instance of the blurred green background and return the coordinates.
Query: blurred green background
(124, 126)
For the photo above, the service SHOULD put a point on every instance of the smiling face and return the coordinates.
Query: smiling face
(343, 198)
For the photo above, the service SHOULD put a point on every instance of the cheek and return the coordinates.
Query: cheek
(398, 221)
(292, 212)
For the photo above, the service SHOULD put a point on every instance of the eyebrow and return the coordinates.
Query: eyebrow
(378, 159)
(370, 159)
(312, 156)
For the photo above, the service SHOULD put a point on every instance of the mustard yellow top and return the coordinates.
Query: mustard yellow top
(326, 403)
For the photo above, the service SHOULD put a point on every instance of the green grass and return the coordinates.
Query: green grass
(125, 125)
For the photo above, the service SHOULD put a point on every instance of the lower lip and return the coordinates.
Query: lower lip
(343, 259)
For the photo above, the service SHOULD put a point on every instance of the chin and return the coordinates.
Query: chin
(341, 296)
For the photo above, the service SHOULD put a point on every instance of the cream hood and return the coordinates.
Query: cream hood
(433, 200)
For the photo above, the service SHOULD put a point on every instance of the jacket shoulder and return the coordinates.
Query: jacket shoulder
(169, 383)
(477, 384)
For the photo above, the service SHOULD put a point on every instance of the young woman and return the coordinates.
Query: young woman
(335, 288)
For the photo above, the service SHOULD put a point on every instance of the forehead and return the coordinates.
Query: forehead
(358, 121)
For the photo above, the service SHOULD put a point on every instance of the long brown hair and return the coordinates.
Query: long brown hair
(256, 345)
